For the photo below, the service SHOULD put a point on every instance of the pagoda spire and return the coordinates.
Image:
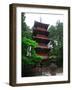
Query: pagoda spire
(40, 19)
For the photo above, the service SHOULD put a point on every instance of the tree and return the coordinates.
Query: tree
(26, 31)
(27, 43)
(29, 56)
(33, 58)
(56, 35)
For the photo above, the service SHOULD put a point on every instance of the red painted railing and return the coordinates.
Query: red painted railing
(43, 46)
(38, 28)
(42, 54)
(41, 36)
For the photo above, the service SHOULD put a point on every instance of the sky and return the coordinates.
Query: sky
(50, 19)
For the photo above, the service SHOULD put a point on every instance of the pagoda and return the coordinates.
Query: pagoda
(40, 35)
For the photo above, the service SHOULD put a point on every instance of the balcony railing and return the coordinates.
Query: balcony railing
(42, 46)
(40, 29)
(41, 37)
(44, 55)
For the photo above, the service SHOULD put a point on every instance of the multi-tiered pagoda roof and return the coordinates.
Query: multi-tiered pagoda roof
(40, 35)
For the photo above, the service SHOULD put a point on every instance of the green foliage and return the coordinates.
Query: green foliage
(34, 58)
(26, 31)
(56, 35)
(29, 42)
